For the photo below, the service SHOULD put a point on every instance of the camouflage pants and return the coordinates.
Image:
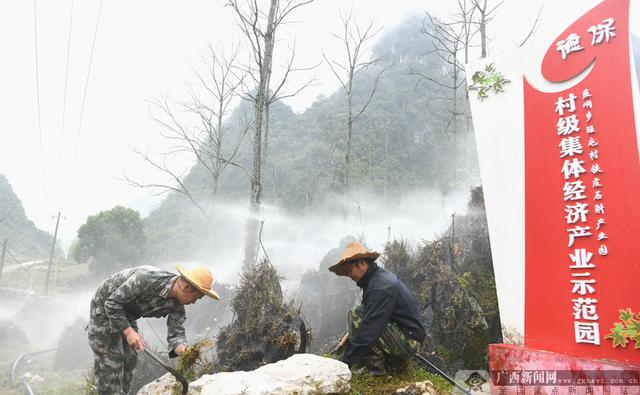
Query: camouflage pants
(114, 360)
(392, 351)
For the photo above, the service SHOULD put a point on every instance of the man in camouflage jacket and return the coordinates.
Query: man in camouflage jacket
(124, 297)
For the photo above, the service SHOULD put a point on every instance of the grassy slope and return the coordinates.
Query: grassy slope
(362, 384)
(67, 276)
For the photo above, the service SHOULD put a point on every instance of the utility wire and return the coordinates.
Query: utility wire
(162, 342)
(64, 96)
(13, 257)
(35, 28)
(84, 98)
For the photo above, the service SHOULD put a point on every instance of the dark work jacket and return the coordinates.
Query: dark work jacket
(384, 299)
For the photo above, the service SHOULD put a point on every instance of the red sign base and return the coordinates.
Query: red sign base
(540, 369)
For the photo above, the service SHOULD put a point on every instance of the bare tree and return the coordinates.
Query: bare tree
(222, 86)
(206, 140)
(259, 28)
(464, 18)
(355, 41)
(448, 41)
(485, 15)
(174, 183)
(533, 29)
(451, 39)
(279, 93)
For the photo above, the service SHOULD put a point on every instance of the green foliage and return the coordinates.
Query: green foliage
(111, 240)
(195, 361)
(487, 80)
(364, 384)
(625, 331)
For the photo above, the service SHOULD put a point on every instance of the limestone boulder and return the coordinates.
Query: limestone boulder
(299, 374)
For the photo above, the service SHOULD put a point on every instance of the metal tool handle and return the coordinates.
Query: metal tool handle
(441, 373)
(178, 376)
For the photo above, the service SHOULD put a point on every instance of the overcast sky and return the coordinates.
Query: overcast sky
(142, 48)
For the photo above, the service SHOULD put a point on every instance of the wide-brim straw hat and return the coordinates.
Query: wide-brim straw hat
(354, 252)
(201, 278)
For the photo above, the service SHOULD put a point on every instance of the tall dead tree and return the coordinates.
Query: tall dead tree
(355, 41)
(259, 27)
(448, 41)
(464, 18)
(452, 41)
(485, 15)
(197, 128)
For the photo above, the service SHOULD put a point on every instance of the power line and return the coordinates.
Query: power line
(35, 28)
(64, 97)
(84, 97)
(13, 257)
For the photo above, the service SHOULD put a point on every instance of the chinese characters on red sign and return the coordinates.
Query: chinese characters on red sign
(582, 180)
(578, 163)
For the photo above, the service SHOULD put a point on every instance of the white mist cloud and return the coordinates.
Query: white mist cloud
(295, 244)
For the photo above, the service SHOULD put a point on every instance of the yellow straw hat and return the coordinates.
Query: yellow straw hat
(354, 251)
(201, 278)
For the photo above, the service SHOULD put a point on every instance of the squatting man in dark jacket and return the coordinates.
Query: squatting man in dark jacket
(385, 331)
(124, 297)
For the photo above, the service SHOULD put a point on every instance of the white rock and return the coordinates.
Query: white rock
(301, 374)
(162, 385)
(36, 379)
(419, 388)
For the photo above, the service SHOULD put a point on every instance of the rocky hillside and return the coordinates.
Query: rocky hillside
(401, 143)
(452, 278)
(23, 238)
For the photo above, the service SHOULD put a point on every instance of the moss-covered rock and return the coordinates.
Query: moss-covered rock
(265, 329)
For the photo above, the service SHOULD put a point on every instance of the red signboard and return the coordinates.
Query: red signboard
(582, 194)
